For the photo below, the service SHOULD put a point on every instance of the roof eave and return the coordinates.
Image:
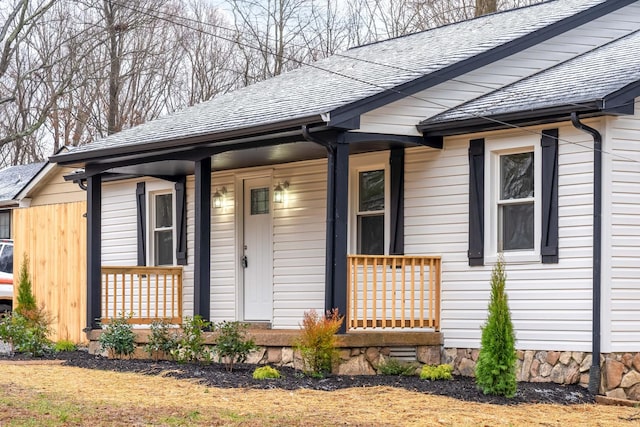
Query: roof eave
(79, 159)
(511, 120)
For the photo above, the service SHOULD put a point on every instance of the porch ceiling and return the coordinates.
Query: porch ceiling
(236, 159)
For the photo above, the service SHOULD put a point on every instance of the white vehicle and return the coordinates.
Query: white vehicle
(6, 275)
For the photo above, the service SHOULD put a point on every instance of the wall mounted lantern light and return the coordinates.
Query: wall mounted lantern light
(279, 191)
(218, 197)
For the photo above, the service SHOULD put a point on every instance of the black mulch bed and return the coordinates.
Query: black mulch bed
(215, 375)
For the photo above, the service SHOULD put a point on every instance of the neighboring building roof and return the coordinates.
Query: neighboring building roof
(13, 179)
(343, 86)
(596, 80)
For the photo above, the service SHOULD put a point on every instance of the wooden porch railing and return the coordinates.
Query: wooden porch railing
(145, 293)
(393, 292)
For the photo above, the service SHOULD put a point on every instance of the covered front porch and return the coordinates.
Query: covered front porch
(389, 292)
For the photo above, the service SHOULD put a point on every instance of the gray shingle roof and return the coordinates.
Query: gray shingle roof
(343, 79)
(14, 178)
(587, 78)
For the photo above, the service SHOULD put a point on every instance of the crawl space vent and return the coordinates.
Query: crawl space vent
(407, 354)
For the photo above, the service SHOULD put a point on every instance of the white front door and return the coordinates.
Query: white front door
(257, 250)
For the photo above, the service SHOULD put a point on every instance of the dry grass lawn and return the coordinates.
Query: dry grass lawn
(52, 395)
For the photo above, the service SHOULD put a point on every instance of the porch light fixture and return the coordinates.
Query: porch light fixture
(278, 192)
(218, 197)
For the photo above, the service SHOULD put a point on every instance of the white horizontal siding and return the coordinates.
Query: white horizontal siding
(550, 303)
(187, 270)
(224, 252)
(621, 234)
(299, 243)
(401, 117)
(222, 296)
(119, 238)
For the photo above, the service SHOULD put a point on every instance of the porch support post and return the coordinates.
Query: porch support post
(202, 249)
(337, 219)
(331, 201)
(340, 245)
(94, 244)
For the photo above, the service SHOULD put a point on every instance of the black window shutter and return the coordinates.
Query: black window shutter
(181, 222)
(476, 202)
(396, 161)
(549, 244)
(141, 207)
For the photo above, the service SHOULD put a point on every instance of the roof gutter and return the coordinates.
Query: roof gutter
(220, 139)
(508, 120)
(594, 371)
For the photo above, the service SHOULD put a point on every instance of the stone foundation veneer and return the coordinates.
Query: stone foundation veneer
(620, 371)
(621, 376)
(352, 361)
(564, 367)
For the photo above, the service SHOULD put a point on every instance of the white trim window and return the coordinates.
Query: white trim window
(162, 228)
(514, 200)
(370, 218)
(370, 205)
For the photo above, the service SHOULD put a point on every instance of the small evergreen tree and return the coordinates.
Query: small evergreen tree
(26, 301)
(496, 367)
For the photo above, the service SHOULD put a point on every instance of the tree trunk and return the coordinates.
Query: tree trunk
(113, 31)
(484, 7)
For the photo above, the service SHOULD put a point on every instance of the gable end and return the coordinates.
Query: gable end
(348, 112)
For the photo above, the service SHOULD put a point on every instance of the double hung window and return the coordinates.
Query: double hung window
(516, 202)
(517, 215)
(371, 212)
(369, 223)
(513, 202)
(162, 228)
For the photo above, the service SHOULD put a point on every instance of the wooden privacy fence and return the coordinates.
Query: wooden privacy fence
(54, 238)
(145, 293)
(393, 291)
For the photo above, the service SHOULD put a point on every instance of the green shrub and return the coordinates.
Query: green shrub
(190, 344)
(396, 367)
(266, 372)
(496, 366)
(232, 346)
(64, 345)
(318, 344)
(440, 372)
(118, 337)
(162, 340)
(27, 335)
